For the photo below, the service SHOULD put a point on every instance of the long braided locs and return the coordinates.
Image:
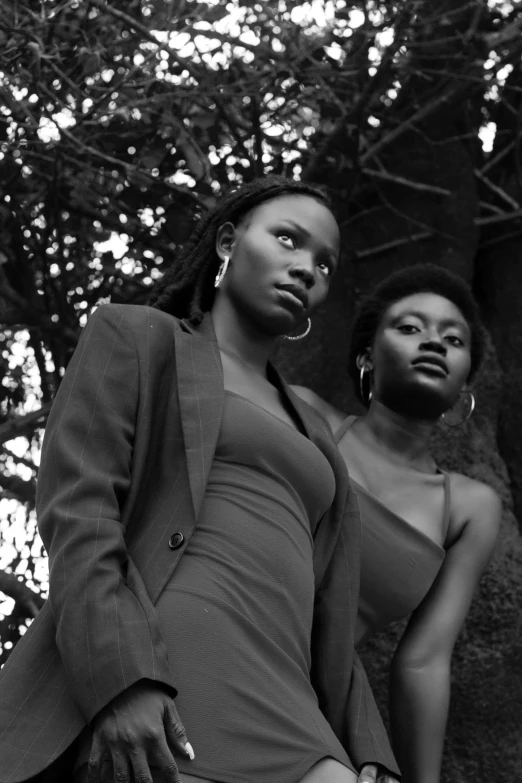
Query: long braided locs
(186, 290)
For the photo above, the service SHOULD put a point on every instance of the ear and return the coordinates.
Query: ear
(364, 359)
(225, 240)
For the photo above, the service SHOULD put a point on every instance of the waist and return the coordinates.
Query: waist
(396, 575)
(251, 552)
(266, 491)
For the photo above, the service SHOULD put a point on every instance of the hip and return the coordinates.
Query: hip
(326, 770)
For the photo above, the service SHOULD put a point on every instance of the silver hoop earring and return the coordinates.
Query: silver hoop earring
(300, 336)
(221, 271)
(459, 422)
(366, 398)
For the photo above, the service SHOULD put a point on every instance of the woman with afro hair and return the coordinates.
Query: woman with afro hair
(416, 345)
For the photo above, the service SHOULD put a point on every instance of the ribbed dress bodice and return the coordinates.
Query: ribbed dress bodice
(399, 563)
(237, 613)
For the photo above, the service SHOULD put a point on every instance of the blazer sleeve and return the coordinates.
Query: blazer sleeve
(338, 676)
(368, 739)
(107, 631)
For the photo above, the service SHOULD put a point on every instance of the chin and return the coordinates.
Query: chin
(417, 401)
(276, 326)
(268, 320)
(282, 322)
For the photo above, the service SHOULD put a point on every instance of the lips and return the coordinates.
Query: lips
(434, 362)
(297, 292)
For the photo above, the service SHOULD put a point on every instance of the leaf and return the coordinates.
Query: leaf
(214, 13)
(203, 119)
(153, 158)
(196, 161)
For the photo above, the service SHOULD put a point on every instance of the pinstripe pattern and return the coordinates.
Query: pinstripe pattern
(126, 457)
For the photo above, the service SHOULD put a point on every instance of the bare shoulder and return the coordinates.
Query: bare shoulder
(473, 494)
(333, 416)
(477, 506)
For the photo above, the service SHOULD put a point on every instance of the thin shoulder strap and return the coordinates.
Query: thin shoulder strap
(345, 426)
(447, 506)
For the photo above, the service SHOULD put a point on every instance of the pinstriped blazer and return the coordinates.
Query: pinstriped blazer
(126, 457)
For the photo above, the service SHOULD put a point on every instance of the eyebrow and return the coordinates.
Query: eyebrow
(445, 322)
(306, 233)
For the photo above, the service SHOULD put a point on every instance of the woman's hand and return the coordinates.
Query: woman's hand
(135, 733)
(374, 773)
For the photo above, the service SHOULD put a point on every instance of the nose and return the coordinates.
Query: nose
(303, 270)
(433, 344)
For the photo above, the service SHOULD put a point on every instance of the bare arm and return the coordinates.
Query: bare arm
(332, 415)
(420, 677)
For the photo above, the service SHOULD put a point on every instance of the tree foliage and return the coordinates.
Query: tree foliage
(121, 122)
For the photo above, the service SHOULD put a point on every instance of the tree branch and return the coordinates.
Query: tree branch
(510, 32)
(420, 114)
(496, 189)
(23, 425)
(223, 38)
(373, 251)
(501, 238)
(16, 487)
(141, 28)
(486, 221)
(36, 345)
(385, 175)
(258, 138)
(21, 460)
(491, 207)
(26, 599)
(129, 168)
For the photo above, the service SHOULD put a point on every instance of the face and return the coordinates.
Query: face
(282, 257)
(421, 356)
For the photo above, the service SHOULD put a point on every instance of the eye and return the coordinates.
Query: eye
(326, 268)
(408, 328)
(287, 239)
(453, 339)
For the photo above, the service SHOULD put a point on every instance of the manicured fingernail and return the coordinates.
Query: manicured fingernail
(191, 754)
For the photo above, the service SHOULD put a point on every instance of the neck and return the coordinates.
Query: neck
(407, 439)
(238, 337)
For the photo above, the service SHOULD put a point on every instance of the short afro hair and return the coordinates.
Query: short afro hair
(418, 279)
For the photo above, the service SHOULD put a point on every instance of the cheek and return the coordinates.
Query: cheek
(264, 263)
(392, 353)
(318, 294)
(253, 269)
(463, 367)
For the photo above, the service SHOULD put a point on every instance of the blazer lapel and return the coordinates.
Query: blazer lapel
(344, 505)
(201, 396)
(295, 401)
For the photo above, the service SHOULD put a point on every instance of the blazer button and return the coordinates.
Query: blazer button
(176, 540)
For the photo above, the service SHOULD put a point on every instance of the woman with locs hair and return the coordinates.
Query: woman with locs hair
(416, 345)
(202, 534)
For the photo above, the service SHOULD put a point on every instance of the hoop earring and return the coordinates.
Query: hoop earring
(365, 398)
(300, 336)
(221, 271)
(471, 398)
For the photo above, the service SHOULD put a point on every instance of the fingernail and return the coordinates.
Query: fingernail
(191, 754)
